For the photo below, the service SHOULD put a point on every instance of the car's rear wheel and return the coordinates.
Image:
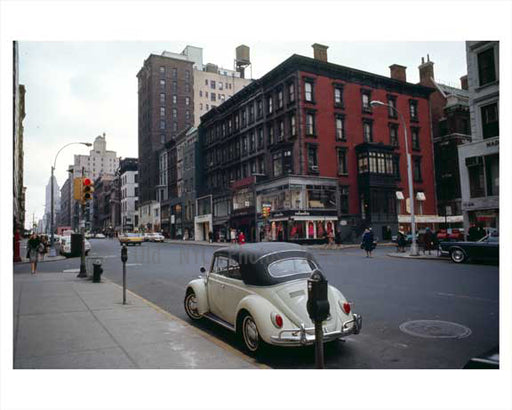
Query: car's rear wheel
(191, 305)
(458, 255)
(250, 334)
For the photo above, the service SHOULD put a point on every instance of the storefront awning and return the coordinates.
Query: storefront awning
(314, 218)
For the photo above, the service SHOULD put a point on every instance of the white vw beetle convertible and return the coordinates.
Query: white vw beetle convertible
(260, 292)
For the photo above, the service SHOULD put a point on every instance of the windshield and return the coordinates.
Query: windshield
(292, 266)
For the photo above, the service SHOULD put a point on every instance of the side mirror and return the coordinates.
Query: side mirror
(202, 269)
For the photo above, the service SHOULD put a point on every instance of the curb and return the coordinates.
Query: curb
(424, 257)
(207, 336)
(54, 259)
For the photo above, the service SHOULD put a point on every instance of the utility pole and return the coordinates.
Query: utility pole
(83, 271)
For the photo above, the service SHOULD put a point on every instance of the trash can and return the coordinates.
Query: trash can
(97, 270)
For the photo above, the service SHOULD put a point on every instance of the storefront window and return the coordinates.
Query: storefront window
(476, 177)
(321, 197)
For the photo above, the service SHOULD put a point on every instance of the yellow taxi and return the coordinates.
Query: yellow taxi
(131, 238)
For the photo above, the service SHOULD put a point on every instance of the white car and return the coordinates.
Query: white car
(154, 237)
(65, 246)
(260, 292)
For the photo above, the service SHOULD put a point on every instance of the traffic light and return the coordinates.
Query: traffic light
(87, 189)
(265, 211)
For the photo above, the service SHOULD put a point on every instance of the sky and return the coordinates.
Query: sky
(76, 91)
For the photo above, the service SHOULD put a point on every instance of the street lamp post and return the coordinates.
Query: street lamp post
(52, 248)
(414, 246)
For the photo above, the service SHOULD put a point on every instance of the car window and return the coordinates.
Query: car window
(227, 267)
(220, 265)
(293, 266)
(493, 238)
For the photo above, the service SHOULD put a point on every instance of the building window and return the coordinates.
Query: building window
(312, 158)
(187, 115)
(338, 96)
(162, 85)
(213, 96)
(252, 142)
(174, 113)
(212, 84)
(416, 169)
(162, 111)
(244, 144)
(162, 98)
(309, 91)
(262, 165)
(221, 85)
(200, 106)
(280, 131)
(162, 139)
(277, 164)
(260, 138)
(492, 174)
(259, 108)
(486, 67)
(365, 101)
(415, 138)
(344, 204)
(280, 99)
(244, 117)
(367, 131)
(476, 177)
(174, 99)
(251, 112)
(175, 126)
(206, 81)
(310, 123)
(174, 72)
(270, 134)
(162, 124)
(393, 135)
(413, 110)
(162, 70)
(396, 166)
(175, 86)
(291, 92)
(340, 129)
(269, 104)
(490, 121)
(293, 126)
(342, 162)
(392, 106)
(187, 75)
(187, 100)
(187, 88)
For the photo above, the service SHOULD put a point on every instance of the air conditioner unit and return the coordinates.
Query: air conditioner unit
(314, 168)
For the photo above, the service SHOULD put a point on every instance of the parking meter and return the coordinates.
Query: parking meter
(318, 303)
(124, 254)
(124, 258)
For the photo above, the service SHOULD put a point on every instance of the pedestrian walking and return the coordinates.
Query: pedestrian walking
(233, 236)
(241, 238)
(33, 251)
(428, 241)
(400, 239)
(367, 243)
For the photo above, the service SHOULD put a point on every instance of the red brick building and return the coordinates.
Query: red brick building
(324, 158)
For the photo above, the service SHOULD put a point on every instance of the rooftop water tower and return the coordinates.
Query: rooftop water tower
(242, 60)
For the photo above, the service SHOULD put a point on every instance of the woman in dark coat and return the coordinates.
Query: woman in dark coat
(367, 243)
(33, 251)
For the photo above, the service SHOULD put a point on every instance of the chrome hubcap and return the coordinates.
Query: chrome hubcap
(192, 306)
(458, 255)
(251, 334)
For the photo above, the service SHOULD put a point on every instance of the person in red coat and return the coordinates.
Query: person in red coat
(241, 238)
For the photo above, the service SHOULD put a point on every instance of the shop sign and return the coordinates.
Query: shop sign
(493, 143)
(277, 214)
(303, 213)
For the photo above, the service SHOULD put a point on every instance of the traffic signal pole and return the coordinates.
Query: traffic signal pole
(83, 270)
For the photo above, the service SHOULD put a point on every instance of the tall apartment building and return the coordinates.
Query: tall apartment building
(305, 142)
(18, 117)
(449, 108)
(128, 173)
(174, 90)
(48, 202)
(479, 160)
(65, 203)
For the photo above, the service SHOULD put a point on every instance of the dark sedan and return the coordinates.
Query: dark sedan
(486, 249)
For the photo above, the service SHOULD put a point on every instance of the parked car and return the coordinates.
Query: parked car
(260, 292)
(487, 248)
(154, 237)
(131, 238)
(487, 360)
(99, 236)
(65, 246)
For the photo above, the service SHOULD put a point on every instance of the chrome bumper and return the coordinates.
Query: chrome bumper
(306, 336)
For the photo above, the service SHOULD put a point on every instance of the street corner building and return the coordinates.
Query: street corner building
(301, 154)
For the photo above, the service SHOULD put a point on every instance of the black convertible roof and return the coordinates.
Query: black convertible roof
(255, 258)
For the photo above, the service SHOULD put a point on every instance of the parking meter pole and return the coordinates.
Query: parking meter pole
(319, 346)
(83, 270)
(124, 258)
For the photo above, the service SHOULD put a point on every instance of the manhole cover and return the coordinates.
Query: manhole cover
(435, 329)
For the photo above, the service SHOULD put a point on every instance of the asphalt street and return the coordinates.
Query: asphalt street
(390, 293)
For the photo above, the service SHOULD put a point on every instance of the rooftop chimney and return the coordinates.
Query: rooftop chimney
(398, 72)
(426, 71)
(320, 52)
(464, 82)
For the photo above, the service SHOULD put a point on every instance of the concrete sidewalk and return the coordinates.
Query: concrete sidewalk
(433, 256)
(62, 322)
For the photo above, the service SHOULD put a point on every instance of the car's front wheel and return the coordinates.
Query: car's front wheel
(250, 334)
(191, 305)
(458, 255)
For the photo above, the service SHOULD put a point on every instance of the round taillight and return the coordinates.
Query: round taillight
(277, 320)
(346, 307)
